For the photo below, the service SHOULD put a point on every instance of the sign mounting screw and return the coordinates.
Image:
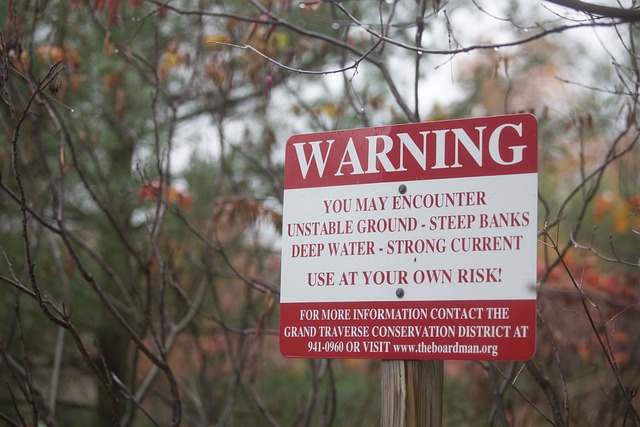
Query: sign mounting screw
(402, 189)
(399, 292)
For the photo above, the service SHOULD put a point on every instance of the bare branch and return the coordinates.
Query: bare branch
(625, 15)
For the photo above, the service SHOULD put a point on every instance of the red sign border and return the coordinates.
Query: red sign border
(456, 168)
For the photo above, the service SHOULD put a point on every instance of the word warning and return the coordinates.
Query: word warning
(413, 241)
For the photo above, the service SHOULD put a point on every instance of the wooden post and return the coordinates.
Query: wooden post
(412, 393)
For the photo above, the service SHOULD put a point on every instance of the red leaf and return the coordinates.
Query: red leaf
(163, 12)
(153, 191)
(113, 7)
(267, 86)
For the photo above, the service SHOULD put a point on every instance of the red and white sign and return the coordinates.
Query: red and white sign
(413, 241)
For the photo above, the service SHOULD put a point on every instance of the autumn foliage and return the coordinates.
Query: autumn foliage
(156, 191)
(141, 193)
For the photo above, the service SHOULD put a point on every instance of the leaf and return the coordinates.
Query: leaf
(113, 8)
(602, 204)
(244, 212)
(256, 28)
(23, 62)
(330, 110)
(267, 86)
(218, 71)
(64, 165)
(621, 220)
(111, 81)
(119, 103)
(269, 142)
(70, 56)
(107, 46)
(623, 358)
(153, 190)
(215, 40)
(621, 337)
(163, 12)
(76, 80)
(172, 58)
(176, 196)
(55, 54)
(184, 201)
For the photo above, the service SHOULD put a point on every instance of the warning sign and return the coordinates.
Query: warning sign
(413, 241)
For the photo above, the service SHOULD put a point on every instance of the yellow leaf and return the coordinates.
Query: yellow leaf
(25, 61)
(171, 59)
(280, 40)
(215, 40)
(329, 110)
(270, 300)
(64, 165)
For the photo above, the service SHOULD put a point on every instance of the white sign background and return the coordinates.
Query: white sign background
(503, 194)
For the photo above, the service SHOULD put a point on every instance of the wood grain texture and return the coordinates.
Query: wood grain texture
(412, 393)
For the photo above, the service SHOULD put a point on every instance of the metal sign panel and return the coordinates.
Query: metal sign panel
(414, 241)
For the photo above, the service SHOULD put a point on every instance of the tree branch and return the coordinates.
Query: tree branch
(626, 15)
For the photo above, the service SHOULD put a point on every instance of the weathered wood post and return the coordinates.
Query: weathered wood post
(412, 393)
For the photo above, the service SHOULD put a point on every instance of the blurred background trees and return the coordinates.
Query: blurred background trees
(141, 191)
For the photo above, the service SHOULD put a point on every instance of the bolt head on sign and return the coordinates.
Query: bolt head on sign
(413, 241)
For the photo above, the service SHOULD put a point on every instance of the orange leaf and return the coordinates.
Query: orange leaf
(107, 47)
(153, 190)
(621, 337)
(602, 204)
(120, 103)
(70, 55)
(623, 358)
(111, 80)
(184, 201)
(621, 220)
